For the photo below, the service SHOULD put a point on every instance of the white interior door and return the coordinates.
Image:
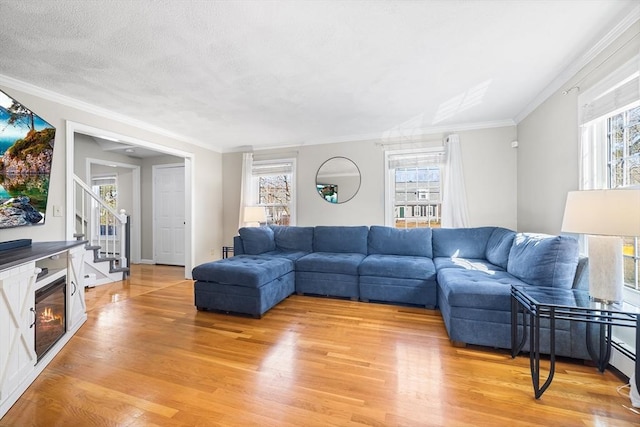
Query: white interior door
(169, 214)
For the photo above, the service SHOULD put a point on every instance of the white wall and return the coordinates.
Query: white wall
(206, 175)
(490, 177)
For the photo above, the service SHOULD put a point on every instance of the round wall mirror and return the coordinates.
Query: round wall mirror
(338, 180)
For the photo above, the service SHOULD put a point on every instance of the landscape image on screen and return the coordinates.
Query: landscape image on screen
(26, 151)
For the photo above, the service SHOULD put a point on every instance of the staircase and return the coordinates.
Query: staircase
(107, 238)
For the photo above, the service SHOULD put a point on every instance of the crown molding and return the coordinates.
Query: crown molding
(582, 61)
(409, 134)
(52, 96)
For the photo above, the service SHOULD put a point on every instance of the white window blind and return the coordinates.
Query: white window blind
(616, 92)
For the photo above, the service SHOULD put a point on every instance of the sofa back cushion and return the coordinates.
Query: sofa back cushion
(292, 238)
(499, 246)
(461, 242)
(340, 239)
(544, 260)
(395, 241)
(256, 240)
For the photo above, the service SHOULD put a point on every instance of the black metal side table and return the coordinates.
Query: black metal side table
(536, 302)
(226, 251)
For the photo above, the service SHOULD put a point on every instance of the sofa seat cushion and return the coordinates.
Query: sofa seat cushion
(473, 264)
(401, 267)
(328, 262)
(244, 270)
(477, 289)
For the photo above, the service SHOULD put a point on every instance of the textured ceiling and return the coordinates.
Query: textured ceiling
(274, 73)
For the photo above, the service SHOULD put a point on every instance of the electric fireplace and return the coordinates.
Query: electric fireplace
(50, 321)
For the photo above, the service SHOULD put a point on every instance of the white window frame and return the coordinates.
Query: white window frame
(389, 179)
(616, 93)
(293, 187)
(96, 208)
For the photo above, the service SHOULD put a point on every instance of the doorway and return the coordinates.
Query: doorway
(73, 128)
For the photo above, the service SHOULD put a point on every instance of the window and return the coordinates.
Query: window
(274, 185)
(107, 188)
(413, 188)
(610, 145)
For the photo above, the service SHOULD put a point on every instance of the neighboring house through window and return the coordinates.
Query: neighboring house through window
(413, 183)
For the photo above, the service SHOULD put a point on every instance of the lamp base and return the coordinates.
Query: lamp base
(606, 277)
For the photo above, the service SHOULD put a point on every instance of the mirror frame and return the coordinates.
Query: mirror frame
(323, 186)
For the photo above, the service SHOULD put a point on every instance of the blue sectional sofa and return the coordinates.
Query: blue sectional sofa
(467, 273)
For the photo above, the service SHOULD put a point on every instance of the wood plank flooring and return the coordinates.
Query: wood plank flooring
(146, 357)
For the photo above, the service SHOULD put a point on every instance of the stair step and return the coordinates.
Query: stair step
(119, 269)
(105, 259)
(92, 247)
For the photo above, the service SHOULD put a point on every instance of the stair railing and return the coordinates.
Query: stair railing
(114, 240)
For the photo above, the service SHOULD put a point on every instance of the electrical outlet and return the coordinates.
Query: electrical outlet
(57, 210)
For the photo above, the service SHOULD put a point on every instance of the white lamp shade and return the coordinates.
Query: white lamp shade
(603, 212)
(255, 214)
(605, 215)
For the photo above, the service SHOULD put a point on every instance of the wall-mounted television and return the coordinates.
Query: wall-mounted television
(26, 153)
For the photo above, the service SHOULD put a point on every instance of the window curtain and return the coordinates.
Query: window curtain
(454, 196)
(247, 198)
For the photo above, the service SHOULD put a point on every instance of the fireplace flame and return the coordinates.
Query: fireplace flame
(49, 316)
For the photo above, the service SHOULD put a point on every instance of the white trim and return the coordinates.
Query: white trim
(405, 135)
(31, 89)
(294, 176)
(582, 61)
(73, 127)
(389, 193)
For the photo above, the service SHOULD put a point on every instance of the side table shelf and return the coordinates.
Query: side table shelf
(535, 303)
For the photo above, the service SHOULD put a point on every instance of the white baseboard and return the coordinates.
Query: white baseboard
(147, 261)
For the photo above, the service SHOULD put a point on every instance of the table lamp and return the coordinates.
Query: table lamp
(254, 216)
(605, 216)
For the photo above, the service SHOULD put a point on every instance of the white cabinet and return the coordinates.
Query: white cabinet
(19, 281)
(17, 353)
(76, 306)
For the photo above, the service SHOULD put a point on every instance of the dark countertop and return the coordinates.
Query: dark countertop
(38, 250)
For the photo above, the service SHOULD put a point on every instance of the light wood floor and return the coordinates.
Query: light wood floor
(146, 357)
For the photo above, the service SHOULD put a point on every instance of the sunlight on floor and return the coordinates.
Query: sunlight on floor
(136, 284)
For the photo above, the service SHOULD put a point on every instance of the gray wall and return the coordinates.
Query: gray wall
(548, 152)
(490, 176)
